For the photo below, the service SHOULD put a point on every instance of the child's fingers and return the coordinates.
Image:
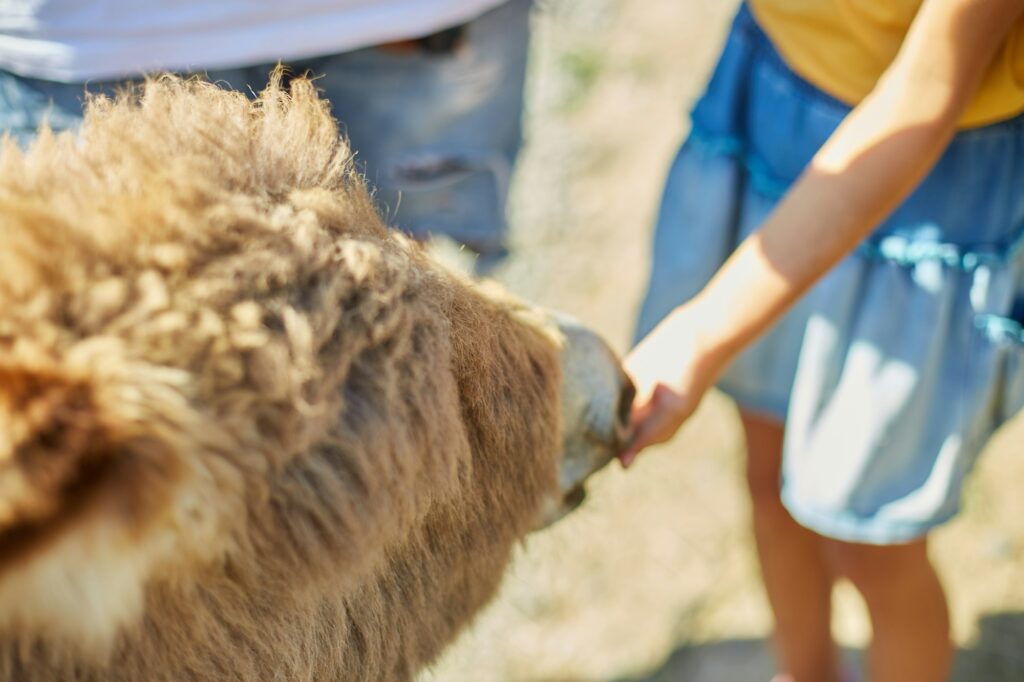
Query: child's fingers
(654, 421)
(646, 434)
(638, 419)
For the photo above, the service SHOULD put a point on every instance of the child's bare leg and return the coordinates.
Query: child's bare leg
(907, 605)
(793, 564)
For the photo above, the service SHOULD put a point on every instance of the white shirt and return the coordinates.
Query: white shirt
(80, 40)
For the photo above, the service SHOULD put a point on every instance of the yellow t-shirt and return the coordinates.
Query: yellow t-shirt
(843, 46)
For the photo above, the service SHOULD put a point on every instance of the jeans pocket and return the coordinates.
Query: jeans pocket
(461, 195)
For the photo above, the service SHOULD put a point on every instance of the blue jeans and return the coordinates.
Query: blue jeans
(436, 134)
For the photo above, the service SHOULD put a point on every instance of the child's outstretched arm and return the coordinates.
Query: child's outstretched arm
(873, 160)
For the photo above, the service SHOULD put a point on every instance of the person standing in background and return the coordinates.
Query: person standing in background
(429, 92)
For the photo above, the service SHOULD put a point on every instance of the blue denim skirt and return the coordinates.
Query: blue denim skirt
(892, 373)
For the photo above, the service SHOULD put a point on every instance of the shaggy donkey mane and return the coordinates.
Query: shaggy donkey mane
(246, 432)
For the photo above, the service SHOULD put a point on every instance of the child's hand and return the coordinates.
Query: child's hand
(672, 369)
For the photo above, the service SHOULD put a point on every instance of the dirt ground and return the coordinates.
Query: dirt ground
(654, 578)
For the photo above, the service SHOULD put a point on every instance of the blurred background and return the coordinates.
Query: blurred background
(654, 578)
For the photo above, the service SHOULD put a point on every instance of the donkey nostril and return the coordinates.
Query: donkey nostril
(625, 406)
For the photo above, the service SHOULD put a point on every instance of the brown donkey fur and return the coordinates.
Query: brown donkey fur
(246, 432)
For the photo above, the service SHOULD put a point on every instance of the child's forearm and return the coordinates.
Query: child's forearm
(853, 183)
(870, 164)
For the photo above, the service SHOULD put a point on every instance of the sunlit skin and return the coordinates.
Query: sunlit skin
(876, 157)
